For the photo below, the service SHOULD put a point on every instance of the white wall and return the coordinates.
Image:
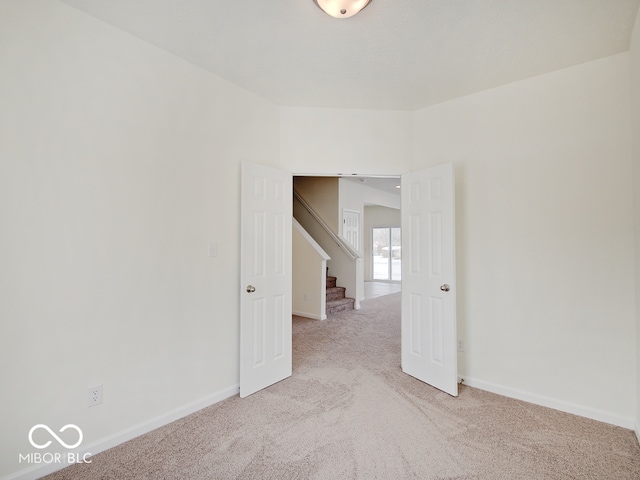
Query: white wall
(545, 235)
(333, 141)
(118, 164)
(354, 196)
(634, 59)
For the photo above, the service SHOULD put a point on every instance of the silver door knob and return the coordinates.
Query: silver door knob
(251, 289)
(445, 287)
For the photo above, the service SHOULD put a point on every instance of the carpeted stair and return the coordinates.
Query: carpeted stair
(336, 301)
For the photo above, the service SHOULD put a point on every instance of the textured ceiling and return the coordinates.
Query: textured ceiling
(395, 54)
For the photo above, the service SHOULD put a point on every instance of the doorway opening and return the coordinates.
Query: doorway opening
(351, 207)
(428, 348)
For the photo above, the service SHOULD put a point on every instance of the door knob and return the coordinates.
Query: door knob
(251, 289)
(445, 287)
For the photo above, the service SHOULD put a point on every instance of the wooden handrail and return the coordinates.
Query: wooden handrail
(348, 250)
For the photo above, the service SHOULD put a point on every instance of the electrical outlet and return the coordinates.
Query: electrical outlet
(94, 396)
(461, 345)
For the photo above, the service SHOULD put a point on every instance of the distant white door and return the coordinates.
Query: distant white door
(265, 275)
(351, 228)
(428, 278)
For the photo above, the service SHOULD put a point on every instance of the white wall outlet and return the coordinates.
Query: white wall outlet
(213, 249)
(461, 344)
(94, 396)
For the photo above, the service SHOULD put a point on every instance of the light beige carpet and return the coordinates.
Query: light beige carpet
(349, 412)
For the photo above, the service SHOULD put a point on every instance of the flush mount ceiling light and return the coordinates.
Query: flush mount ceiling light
(342, 8)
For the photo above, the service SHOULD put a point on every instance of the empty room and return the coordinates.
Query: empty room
(153, 320)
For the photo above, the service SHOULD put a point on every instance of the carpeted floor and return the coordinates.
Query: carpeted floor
(349, 412)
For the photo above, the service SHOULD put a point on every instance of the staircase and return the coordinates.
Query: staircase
(336, 301)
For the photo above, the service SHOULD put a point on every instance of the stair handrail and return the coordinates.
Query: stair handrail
(351, 253)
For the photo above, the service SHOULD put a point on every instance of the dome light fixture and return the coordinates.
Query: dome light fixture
(342, 8)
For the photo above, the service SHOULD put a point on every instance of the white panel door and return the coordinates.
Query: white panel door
(265, 275)
(428, 278)
(351, 228)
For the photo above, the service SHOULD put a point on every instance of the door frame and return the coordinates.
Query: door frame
(289, 253)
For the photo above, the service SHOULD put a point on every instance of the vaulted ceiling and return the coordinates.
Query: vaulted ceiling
(394, 55)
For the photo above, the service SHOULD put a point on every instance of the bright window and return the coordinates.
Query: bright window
(386, 253)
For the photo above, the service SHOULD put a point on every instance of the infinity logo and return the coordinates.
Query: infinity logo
(60, 441)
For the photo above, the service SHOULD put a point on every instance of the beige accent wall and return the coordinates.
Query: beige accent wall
(308, 295)
(322, 194)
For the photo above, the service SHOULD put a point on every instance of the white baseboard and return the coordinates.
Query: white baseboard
(309, 315)
(575, 409)
(38, 471)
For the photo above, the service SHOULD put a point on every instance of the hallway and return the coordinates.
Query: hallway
(378, 289)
